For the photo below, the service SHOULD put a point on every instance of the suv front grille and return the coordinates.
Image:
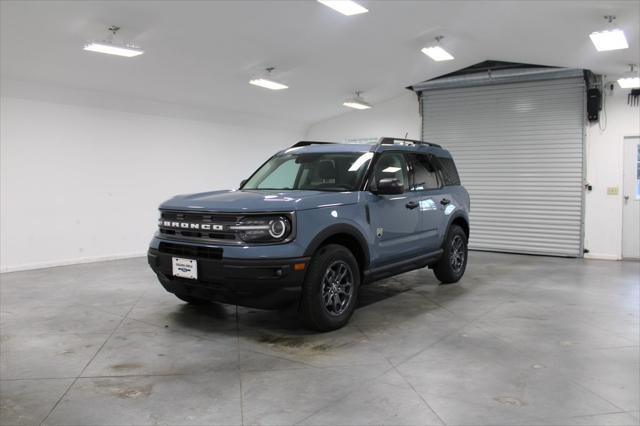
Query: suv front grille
(191, 251)
(198, 226)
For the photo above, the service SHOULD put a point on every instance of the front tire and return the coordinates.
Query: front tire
(330, 289)
(450, 268)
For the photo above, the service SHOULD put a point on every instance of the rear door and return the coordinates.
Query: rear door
(395, 219)
(426, 184)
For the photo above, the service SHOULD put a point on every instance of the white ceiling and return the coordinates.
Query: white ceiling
(201, 54)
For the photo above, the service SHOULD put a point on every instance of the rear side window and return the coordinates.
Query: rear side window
(423, 174)
(449, 171)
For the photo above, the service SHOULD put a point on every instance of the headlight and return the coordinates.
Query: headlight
(263, 229)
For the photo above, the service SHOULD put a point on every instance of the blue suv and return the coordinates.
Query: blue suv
(312, 224)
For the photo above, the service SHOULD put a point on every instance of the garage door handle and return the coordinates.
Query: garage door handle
(411, 205)
(445, 201)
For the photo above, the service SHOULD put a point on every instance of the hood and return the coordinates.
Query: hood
(238, 201)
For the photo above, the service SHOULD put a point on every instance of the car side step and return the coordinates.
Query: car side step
(401, 266)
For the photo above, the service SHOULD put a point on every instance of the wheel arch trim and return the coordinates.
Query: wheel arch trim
(339, 229)
(457, 217)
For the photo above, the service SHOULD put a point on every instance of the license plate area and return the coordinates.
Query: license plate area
(184, 268)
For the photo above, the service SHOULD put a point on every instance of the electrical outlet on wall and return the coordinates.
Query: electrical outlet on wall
(612, 190)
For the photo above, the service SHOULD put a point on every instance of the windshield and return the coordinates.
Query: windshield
(319, 172)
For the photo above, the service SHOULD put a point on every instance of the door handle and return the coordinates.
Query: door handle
(411, 205)
(445, 201)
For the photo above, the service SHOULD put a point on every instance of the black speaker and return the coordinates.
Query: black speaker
(594, 103)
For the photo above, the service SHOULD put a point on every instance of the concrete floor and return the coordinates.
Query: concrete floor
(521, 340)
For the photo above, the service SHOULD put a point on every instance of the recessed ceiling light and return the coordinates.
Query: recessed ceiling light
(267, 82)
(346, 7)
(356, 102)
(629, 83)
(609, 40)
(111, 48)
(630, 79)
(437, 53)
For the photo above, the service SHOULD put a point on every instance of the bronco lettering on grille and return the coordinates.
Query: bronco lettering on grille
(189, 225)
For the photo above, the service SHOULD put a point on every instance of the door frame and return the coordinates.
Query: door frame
(624, 139)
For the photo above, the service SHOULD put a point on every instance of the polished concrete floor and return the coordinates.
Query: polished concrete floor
(522, 340)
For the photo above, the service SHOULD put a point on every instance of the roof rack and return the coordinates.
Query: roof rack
(392, 141)
(306, 143)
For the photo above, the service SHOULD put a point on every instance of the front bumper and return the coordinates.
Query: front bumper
(259, 283)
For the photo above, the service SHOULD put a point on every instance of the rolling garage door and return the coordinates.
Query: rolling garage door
(519, 151)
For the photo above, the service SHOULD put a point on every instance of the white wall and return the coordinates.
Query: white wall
(395, 117)
(603, 213)
(81, 183)
(81, 180)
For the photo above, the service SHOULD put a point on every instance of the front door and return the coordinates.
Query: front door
(631, 199)
(395, 219)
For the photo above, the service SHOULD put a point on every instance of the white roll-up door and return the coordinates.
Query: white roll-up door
(519, 152)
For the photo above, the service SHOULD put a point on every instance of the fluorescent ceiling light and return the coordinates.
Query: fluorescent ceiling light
(356, 104)
(437, 53)
(346, 7)
(609, 40)
(268, 84)
(114, 49)
(629, 83)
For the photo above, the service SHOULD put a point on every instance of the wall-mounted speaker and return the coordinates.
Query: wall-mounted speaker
(594, 103)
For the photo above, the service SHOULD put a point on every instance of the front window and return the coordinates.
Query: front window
(391, 165)
(318, 172)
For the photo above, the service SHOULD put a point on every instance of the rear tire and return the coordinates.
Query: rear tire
(330, 290)
(450, 268)
(192, 300)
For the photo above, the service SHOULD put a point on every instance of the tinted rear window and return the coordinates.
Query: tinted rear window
(449, 171)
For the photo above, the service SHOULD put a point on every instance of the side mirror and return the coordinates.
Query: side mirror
(389, 186)
(242, 182)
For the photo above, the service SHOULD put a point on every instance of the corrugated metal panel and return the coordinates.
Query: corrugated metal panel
(519, 149)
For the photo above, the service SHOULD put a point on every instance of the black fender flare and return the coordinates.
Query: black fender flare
(339, 228)
(456, 215)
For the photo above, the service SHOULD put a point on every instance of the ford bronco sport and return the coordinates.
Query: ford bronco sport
(312, 224)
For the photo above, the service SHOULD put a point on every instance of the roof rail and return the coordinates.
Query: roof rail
(306, 143)
(392, 141)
